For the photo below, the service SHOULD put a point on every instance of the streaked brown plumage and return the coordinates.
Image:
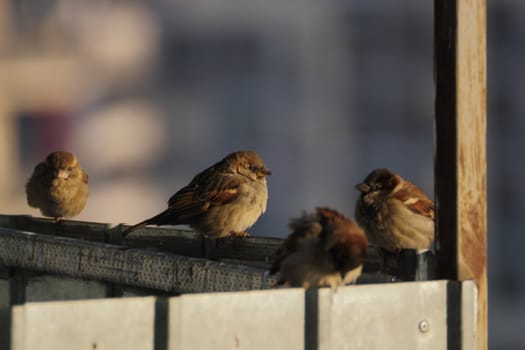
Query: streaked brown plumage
(325, 249)
(58, 186)
(225, 199)
(394, 212)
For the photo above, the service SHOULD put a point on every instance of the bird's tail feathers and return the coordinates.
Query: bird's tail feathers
(159, 219)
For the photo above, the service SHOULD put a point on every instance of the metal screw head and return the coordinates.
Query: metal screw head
(423, 326)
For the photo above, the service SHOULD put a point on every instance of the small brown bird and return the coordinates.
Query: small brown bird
(58, 186)
(325, 249)
(394, 212)
(225, 199)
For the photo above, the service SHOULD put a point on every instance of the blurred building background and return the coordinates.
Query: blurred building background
(147, 94)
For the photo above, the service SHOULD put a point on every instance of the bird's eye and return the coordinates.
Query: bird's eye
(69, 168)
(253, 168)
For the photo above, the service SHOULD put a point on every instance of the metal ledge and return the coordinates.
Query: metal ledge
(436, 315)
(257, 252)
(117, 264)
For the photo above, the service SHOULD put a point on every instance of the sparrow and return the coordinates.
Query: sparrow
(325, 249)
(224, 199)
(58, 186)
(394, 212)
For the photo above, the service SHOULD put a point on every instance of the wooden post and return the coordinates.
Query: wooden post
(460, 164)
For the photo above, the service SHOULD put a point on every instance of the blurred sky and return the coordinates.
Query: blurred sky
(148, 94)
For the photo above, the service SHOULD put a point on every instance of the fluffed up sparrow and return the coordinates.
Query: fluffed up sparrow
(394, 212)
(225, 199)
(58, 186)
(325, 249)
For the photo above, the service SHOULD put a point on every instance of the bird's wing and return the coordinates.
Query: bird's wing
(202, 193)
(84, 176)
(303, 228)
(34, 185)
(416, 200)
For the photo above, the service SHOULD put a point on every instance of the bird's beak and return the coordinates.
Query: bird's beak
(62, 174)
(363, 187)
(264, 172)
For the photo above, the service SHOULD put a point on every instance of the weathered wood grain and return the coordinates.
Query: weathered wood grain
(460, 69)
